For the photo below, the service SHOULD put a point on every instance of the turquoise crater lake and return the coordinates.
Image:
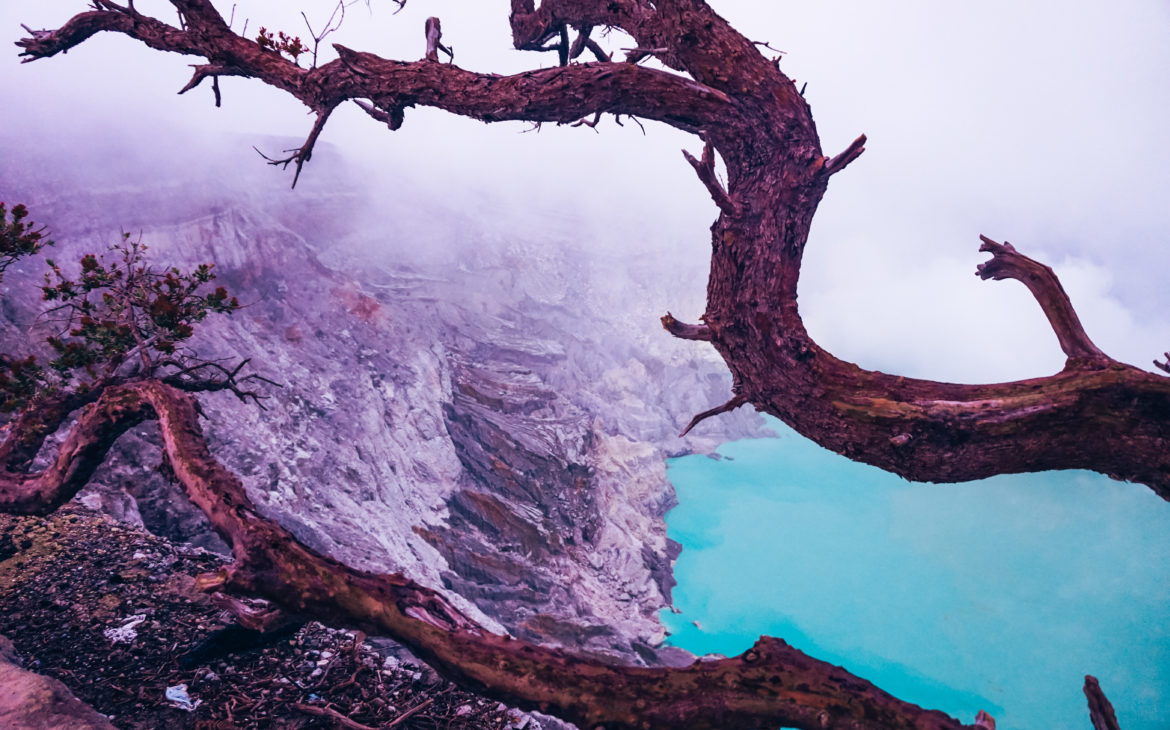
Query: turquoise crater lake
(999, 594)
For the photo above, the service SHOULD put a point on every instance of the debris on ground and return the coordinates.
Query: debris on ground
(111, 611)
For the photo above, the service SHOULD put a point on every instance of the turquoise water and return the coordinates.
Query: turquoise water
(998, 595)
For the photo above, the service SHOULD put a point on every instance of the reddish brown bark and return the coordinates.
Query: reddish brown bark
(1100, 708)
(1096, 414)
(771, 684)
(99, 424)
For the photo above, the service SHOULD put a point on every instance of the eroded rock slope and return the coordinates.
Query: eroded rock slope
(485, 410)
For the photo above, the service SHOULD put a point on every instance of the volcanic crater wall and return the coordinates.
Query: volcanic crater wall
(492, 418)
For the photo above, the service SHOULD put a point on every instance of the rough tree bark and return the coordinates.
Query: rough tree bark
(771, 684)
(1096, 414)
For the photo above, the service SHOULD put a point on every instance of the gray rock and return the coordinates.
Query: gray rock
(491, 418)
(30, 701)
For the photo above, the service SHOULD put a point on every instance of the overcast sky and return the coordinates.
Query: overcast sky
(1032, 120)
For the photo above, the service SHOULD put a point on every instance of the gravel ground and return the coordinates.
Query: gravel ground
(111, 611)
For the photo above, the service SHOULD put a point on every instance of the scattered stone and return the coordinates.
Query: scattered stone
(57, 604)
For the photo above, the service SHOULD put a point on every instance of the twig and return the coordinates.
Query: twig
(37, 34)
(586, 122)
(417, 708)
(304, 153)
(618, 118)
(330, 25)
(705, 168)
(770, 48)
(333, 715)
(1165, 366)
(731, 405)
(231, 381)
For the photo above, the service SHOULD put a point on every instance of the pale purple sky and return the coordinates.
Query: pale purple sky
(1031, 120)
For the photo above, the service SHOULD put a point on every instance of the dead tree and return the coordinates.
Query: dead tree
(1096, 413)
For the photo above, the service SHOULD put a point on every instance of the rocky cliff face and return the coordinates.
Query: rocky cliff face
(490, 415)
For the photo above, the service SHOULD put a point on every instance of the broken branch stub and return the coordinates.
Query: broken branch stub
(434, 34)
(1101, 712)
(772, 683)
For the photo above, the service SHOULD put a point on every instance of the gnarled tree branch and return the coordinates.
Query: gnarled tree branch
(1110, 417)
(770, 684)
(98, 426)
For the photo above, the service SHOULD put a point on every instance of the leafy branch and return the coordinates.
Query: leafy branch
(118, 317)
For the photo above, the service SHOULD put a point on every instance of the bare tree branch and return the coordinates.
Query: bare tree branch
(184, 379)
(1100, 710)
(685, 331)
(836, 164)
(212, 71)
(26, 432)
(304, 153)
(770, 684)
(731, 405)
(392, 117)
(706, 171)
(1007, 263)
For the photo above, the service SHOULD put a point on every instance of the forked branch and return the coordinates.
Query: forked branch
(186, 377)
(1007, 263)
(304, 153)
(706, 171)
(212, 71)
(583, 41)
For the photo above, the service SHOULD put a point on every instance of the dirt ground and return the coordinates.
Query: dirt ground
(111, 611)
